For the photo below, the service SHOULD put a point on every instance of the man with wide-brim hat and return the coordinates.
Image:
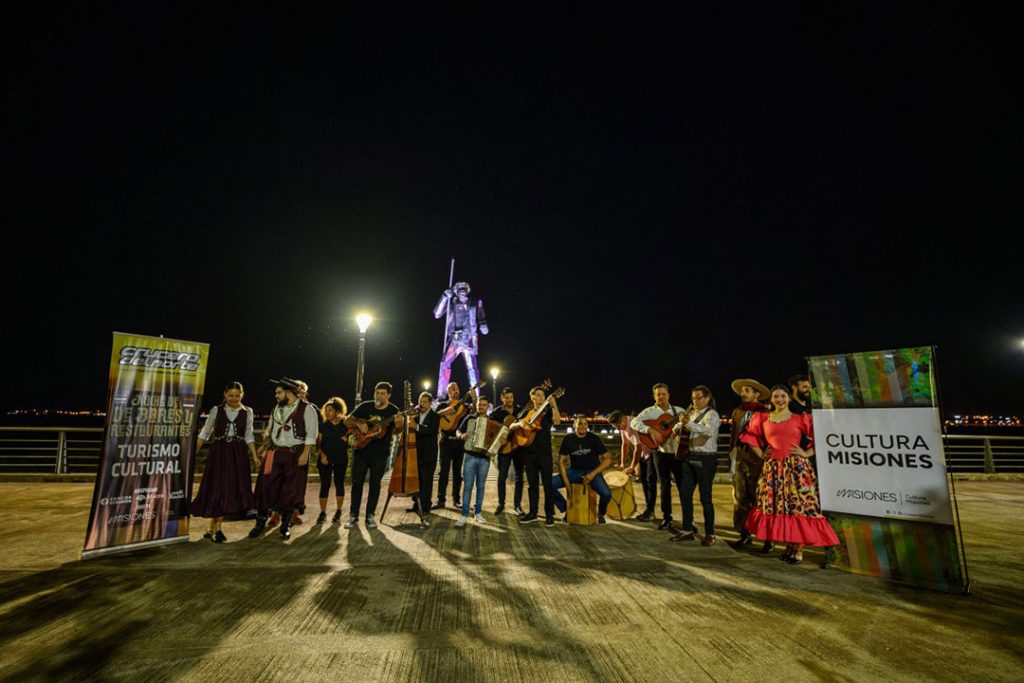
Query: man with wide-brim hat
(746, 467)
(291, 435)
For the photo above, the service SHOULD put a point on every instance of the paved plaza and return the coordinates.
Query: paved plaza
(501, 602)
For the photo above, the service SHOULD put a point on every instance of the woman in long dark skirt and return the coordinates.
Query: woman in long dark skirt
(226, 487)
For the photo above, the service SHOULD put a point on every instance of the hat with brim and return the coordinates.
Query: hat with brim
(286, 384)
(762, 390)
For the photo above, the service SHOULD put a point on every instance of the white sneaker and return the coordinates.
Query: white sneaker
(461, 521)
(351, 522)
(480, 518)
(371, 522)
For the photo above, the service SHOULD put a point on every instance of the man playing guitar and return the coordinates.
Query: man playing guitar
(537, 455)
(660, 424)
(450, 448)
(373, 456)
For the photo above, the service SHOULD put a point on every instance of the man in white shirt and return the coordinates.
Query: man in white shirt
(292, 431)
(669, 423)
(698, 468)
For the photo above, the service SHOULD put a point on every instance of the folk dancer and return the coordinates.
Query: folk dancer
(373, 457)
(293, 431)
(788, 509)
(698, 467)
(665, 462)
(582, 460)
(226, 487)
(745, 465)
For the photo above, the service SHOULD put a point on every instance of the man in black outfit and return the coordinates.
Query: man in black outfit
(537, 458)
(427, 423)
(514, 457)
(373, 457)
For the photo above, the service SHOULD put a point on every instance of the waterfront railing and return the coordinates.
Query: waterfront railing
(76, 450)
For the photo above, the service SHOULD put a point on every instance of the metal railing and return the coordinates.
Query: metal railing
(76, 450)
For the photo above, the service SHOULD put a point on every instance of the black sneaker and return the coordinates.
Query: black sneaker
(601, 519)
(286, 531)
(665, 524)
(550, 521)
(500, 509)
(219, 537)
(767, 547)
(321, 518)
(518, 510)
(337, 517)
(646, 516)
(742, 542)
(261, 524)
(208, 534)
(439, 505)
(527, 519)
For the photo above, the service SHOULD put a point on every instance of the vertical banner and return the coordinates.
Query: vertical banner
(882, 469)
(144, 480)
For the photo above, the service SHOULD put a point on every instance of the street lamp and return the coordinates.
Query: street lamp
(426, 385)
(494, 383)
(363, 320)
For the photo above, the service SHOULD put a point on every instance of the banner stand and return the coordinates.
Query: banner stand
(114, 550)
(952, 479)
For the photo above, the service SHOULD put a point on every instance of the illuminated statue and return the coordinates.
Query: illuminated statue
(465, 317)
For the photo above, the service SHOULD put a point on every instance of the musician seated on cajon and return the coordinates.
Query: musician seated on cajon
(583, 459)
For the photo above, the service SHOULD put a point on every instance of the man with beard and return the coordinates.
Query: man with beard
(292, 433)
(450, 447)
(746, 466)
(373, 457)
(800, 387)
(506, 410)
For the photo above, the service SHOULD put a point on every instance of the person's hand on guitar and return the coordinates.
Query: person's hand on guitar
(363, 427)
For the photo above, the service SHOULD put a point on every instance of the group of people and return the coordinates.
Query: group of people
(771, 449)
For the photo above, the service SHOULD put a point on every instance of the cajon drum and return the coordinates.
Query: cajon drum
(623, 502)
(582, 509)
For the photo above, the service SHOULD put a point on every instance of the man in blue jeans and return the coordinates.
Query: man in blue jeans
(474, 467)
(583, 459)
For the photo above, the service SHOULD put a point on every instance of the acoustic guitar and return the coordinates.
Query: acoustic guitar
(451, 419)
(659, 430)
(525, 434)
(377, 428)
(510, 443)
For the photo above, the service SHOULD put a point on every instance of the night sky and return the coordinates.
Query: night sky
(685, 198)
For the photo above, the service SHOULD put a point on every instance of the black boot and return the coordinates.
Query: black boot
(261, 524)
(286, 523)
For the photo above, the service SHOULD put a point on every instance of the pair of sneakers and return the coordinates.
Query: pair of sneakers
(371, 521)
(461, 521)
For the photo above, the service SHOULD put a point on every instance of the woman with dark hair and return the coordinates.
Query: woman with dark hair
(226, 487)
(787, 508)
(333, 445)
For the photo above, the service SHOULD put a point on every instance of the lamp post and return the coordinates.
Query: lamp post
(494, 384)
(363, 320)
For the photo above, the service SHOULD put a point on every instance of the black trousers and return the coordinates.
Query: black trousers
(375, 464)
(337, 471)
(649, 483)
(504, 462)
(451, 452)
(668, 468)
(426, 463)
(699, 471)
(538, 471)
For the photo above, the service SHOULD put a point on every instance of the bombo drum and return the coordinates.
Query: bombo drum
(623, 502)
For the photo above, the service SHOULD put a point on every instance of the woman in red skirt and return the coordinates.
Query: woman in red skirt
(787, 508)
(226, 487)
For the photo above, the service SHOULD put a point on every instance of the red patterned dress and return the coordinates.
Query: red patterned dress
(787, 508)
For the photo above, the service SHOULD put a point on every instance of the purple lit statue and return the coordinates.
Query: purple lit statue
(465, 318)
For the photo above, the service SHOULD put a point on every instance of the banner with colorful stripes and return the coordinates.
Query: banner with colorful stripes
(881, 466)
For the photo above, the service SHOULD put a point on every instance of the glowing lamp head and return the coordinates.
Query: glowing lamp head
(426, 385)
(494, 374)
(364, 320)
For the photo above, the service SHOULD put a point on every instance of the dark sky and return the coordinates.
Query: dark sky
(637, 197)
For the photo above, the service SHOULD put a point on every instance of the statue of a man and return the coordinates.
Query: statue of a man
(465, 318)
